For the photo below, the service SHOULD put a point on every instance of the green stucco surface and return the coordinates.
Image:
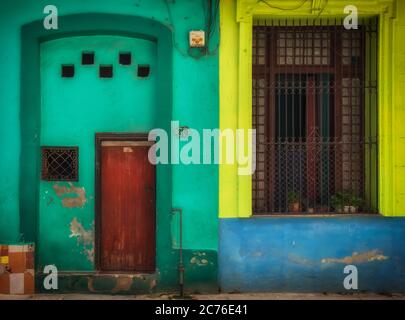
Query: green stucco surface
(30, 209)
(72, 110)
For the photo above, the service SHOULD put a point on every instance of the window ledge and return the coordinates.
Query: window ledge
(318, 215)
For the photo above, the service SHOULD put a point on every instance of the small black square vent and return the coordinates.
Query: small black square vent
(87, 58)
(106, 71)
(68, 70)
(143, 70)
(125, 58)
(60, 163)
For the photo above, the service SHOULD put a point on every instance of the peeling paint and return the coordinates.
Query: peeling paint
(299, 260)
(369, 256)
(71, 202)
(139, 276)
(89, 254)
(119, 283)
(153, 284)
(90, 284)
(84, 237)
(122, 284)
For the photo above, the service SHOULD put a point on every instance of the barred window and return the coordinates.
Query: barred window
(60, 163)
(315, 115)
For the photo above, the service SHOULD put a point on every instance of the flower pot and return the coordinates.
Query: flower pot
(350, 209)
(294, 207)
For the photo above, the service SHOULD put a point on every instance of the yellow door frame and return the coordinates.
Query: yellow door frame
(235, 62)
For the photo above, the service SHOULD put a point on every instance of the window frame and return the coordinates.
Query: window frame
(266, 67)
(237, 18)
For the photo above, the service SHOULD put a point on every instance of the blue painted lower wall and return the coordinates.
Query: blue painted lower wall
(308, 254)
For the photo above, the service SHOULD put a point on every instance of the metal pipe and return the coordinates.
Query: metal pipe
(181, 265)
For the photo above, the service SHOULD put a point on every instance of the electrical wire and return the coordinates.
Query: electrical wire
(213, 10)
(175, 44)
(214, 23)
(210, 26)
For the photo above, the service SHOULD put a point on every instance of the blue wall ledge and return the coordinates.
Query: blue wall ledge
(308, 254)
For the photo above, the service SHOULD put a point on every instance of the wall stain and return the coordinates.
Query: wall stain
(122, 284)
(50, 200)
(300, 260)
(89, 254)
(84, 237)
(369, 256)
(152, 285)
(90, 285)
(71, 202)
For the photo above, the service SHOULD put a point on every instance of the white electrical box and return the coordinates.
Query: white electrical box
(197, 39)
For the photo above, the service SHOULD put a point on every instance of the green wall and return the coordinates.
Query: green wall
(193, 101)
(72, 111)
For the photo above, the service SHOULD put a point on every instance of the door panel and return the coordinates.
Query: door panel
(127, 239)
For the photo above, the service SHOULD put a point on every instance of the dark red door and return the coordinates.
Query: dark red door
(127, 207)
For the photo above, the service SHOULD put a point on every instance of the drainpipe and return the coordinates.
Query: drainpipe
(181, 265)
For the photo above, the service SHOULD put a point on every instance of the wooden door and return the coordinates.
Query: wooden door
(127, 222)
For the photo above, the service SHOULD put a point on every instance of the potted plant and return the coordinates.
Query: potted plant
(294, 204)
(345, 202)
(354, 203)
(337, 202)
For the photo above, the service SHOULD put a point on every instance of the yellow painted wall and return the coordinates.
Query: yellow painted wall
(399, 116)
(236, 89)
(228, 116)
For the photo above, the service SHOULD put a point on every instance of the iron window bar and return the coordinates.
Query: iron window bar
(60, 163)
(316, 116)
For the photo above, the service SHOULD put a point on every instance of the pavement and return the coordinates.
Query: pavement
(221, 296)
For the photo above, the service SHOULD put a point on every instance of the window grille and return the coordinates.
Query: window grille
(60, 163)
(316, 117)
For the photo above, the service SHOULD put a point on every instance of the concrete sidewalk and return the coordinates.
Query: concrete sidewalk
(222, 296)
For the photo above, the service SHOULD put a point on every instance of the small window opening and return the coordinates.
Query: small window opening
(87, 58)
(68, 70)
(106, 71)
(143, 70)
(125, 58)
(60, 163)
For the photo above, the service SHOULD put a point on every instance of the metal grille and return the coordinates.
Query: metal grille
(60, 163)
(316, 117)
